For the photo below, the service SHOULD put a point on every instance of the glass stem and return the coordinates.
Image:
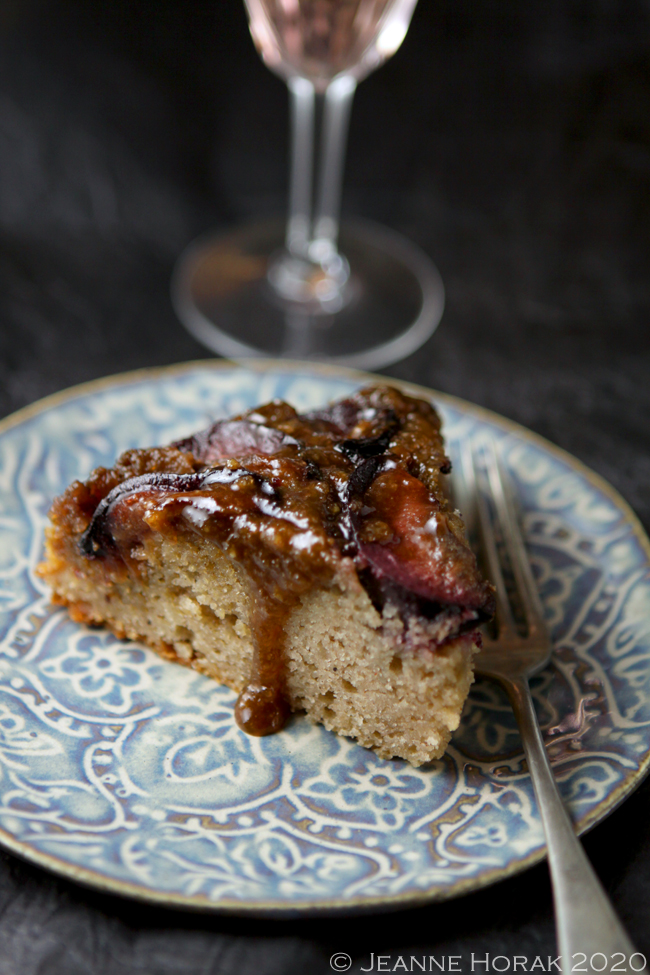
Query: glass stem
(303, 110)
(336, 118)
(317, 241)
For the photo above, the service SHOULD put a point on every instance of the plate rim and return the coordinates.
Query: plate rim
(336, 905)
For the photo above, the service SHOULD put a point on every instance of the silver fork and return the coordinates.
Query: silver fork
(585, 920)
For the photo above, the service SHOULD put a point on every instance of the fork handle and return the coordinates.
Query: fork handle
(585, 920)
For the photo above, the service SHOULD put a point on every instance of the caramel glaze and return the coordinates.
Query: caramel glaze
(290, 498)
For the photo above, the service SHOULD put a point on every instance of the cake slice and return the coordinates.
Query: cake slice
(308, 562)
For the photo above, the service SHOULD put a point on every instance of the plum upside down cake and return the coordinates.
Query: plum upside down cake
(310, 562)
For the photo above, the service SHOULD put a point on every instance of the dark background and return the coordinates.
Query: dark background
(511, 140)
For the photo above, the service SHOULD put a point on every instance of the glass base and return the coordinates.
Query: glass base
(394, 297)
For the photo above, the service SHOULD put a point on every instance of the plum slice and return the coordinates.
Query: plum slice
(227, 439)
(406, 535)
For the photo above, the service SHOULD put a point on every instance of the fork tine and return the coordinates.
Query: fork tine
(464, 490)
(489, 547)
(503, 501)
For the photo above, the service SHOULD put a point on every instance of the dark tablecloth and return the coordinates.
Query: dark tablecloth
(511, 141)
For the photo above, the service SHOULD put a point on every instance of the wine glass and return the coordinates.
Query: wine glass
(356, 294)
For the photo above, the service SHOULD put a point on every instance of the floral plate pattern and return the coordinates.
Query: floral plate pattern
(128, 773)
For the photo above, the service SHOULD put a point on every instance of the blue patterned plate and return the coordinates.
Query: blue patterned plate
(126, 772)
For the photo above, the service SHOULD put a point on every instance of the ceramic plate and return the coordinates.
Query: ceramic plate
(128, 773)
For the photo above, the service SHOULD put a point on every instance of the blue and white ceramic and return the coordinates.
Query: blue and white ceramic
(127, 772)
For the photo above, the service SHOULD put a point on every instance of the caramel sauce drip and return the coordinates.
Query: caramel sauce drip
(262, 707)
(287, 498)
